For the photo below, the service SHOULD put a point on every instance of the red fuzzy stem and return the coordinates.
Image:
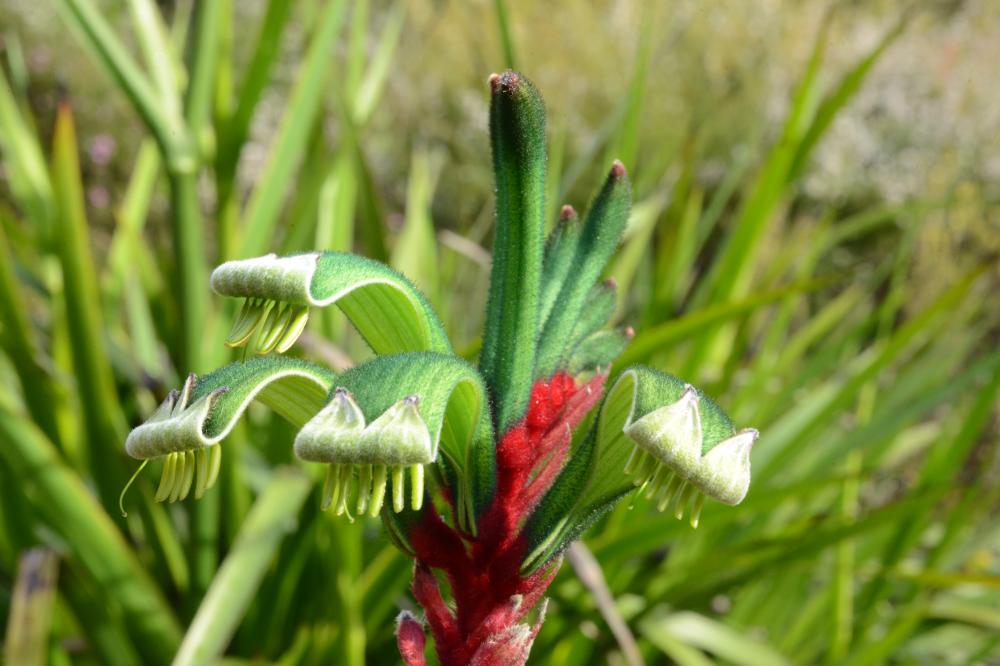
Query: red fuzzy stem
(490, 594)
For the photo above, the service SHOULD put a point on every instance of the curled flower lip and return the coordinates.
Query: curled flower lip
(388, 311)
(396, 441)
(670, 463)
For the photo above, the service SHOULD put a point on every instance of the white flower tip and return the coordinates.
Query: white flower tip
(690, 394)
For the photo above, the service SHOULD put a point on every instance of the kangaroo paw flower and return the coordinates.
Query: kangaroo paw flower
(185, 431)
(685, 450)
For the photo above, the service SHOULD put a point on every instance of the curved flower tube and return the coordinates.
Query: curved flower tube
(188, 426)
(684, 447)
(385, 307)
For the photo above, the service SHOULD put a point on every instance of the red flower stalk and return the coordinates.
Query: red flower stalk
(484, 571)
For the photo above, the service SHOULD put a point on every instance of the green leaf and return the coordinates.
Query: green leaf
(373, 84)
(102, 416)
(64, 503)
(388, 311)
(100, 38)
(24, 162)
(712, 636)
(296, 124)
(517, 134)
(415, 253)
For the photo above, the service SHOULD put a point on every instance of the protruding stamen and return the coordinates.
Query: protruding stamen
(668, 492)
(189, 464)
(380, 476)
(344, 482)
(416, 486)
(249, 319)
(200, 472)
(660, 477)
(398, 491)
(331, 486)
(682, 500)
(297, 324)
(180, 470)
(633, 460)
(647, 467)
(166, 478)
(364, 488)
(274, 326)
(699, 502)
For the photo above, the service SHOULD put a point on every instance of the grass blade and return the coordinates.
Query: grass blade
(233, 588)
(296, 124)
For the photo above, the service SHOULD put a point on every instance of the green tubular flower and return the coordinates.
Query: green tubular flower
(653, 432)
(389, 418)
(187, 428)
(388, 311)
(683, 450)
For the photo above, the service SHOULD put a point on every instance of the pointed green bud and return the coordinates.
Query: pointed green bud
(560, 248)
(517, 138)
(388, 311)
(599, 238)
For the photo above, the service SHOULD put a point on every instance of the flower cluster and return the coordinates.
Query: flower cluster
(481, 473)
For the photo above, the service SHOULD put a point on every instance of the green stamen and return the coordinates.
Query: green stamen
(397, 488)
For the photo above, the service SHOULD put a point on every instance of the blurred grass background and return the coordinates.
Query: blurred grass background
(814, 241)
